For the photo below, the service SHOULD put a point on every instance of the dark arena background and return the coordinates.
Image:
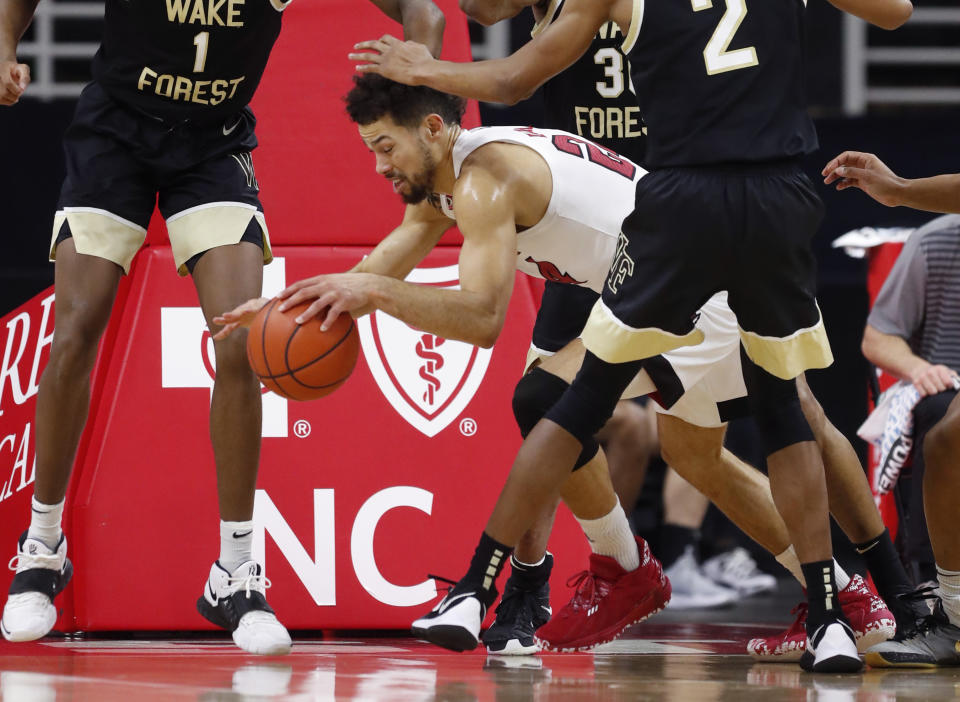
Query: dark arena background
(351, 484)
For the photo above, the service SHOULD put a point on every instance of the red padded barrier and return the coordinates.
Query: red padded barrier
(362, 493)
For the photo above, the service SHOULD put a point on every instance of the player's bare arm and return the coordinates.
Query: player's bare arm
(422, 21)
(395, 256)
(401, 250)
(507, 80)
(488, 12)
(887, 14)
(892, 353)
(866, 172)
(474, 313)
(15, 17)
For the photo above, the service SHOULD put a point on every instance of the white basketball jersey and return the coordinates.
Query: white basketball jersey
(593, 191)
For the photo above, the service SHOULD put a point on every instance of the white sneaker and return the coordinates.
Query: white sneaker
(455, 622)
(41, 574)
(737, 570)
(236, 602)
(692, 589)
(831, 649)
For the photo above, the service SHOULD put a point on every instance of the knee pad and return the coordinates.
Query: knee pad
(590, 400)
(776, 408)
(533, 397)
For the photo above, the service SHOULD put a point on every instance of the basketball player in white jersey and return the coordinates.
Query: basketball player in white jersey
(541, 201)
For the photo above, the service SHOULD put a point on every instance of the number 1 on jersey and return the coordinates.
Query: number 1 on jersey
(715, 55)
(201, 41)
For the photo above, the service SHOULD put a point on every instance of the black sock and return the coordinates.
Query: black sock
(485, 566)
(822, 594)
(885, 566)
(674, 540)
(530, 577)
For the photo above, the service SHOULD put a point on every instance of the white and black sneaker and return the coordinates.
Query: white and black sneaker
(236, 602)
(455, 622)
(832, 648)
(41, 574)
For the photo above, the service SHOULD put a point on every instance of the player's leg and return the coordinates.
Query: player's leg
(218, 235)
(86, 287)
(937, 640)
(852, 505)
(103, 210)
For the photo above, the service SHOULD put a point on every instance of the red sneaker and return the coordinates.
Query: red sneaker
(868, 615)
(607, 600)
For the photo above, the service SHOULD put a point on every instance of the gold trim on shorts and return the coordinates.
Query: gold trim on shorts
(535, 356)
(613, 341)
(787, 357)
(208, 226)
(99, 233)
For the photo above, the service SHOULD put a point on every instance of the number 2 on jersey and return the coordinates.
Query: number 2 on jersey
(716, 56)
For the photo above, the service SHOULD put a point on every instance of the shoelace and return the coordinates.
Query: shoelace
(35, 560)
(585, 583)
(518, 605)
(248, 583)
(925, 594)
(800, 622)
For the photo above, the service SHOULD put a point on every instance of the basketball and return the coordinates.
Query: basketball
(299, 361)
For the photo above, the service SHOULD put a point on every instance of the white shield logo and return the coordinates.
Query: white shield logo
(428, 380)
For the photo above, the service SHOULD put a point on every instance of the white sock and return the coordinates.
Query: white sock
(840, 576)
(45, 522)
(950, 593)
(611, 536)
(236, 543)
(788, 559)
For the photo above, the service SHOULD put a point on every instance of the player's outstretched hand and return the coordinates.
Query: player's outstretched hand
(392, 58)
(238, 317)
(340, 292)
(14, 79)
(855, 169)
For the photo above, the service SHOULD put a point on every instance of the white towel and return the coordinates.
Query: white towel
(890, 428)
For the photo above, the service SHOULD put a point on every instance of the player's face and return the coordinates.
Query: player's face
(402, 157)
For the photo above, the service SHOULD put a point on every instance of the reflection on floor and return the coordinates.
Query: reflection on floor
(672, 661)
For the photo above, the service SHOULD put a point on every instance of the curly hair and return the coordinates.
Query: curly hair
(374, 96)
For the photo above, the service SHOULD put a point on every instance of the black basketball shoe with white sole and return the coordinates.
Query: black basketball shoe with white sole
(41, 575)
(455, 622)
(524, 608)
(236, 602)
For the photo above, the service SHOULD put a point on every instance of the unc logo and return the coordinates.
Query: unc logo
(622, 267)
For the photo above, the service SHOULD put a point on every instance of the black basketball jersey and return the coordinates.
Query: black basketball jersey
(721, 81)
(594, 97)
(186, 59)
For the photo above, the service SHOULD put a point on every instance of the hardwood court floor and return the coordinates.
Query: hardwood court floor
(674, 657)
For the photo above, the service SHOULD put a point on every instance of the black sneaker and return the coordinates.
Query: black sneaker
(524, 608)
(236, 602)
(911, 608)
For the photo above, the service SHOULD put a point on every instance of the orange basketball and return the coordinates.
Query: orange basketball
(299, 361)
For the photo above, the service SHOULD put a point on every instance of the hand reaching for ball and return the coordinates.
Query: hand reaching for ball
(238, 317)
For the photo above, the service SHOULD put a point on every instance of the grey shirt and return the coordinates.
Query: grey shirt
(920, 299)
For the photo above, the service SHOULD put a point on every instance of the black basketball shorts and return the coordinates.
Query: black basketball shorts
(695, 231)
(121, 162)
